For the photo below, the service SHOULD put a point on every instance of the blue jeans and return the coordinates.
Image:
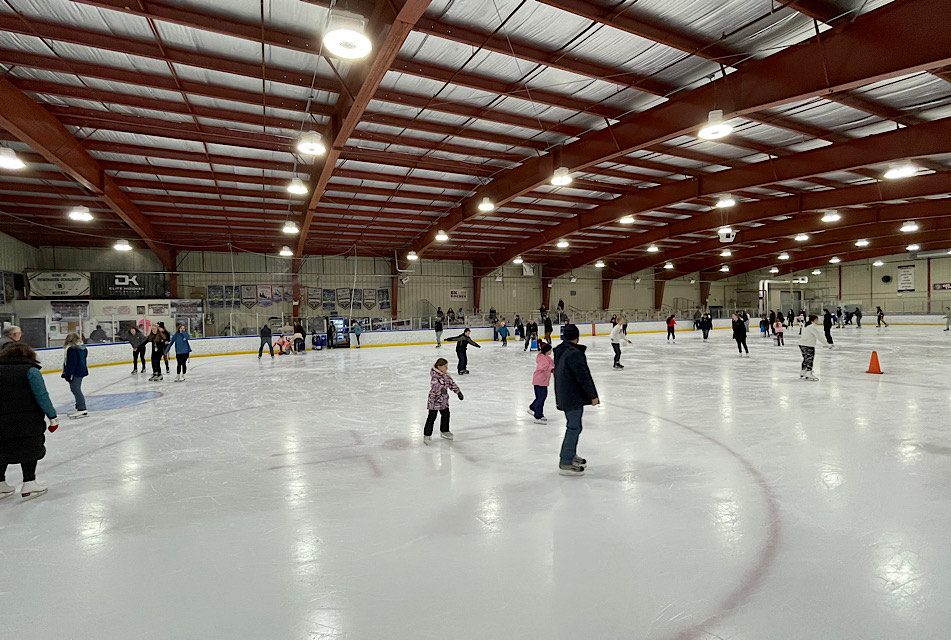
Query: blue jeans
(538, 407)
(76, 386)
(569, 446)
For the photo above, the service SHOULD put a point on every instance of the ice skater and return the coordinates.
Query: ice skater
(671, 323)
(168, 337)
(706, 324)
(158, 340)
(137, 341)
(22, 426)
(548, 328)
(265, 335)
(617, 334)
(182, 350)
(778, 328)
(504, 333)
(75, 371)
(462, 341)
(357, 329)
(531, 331)
(739, 334)
(438, 401)
(437, 327)
(880, 314)
(807, 345)
(947, 318)
(544, 366)
(574, 390)
(827, 327)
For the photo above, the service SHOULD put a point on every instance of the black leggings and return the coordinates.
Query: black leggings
(617, 353)
(706, 333)
(29, 471)
(431, 421)
(670, 333)
(741, 344)
(779, 340)
(828, 331)
(156, 362)
(182, 359)
(136, 354)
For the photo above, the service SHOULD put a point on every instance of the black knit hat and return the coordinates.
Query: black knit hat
(570, 332)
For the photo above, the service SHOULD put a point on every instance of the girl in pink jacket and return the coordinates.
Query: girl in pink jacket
(438, 400)
(544, 366)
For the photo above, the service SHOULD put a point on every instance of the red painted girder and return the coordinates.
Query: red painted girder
(433, 145)
(884, 43)
(35, 126)
(419, 124)
(820, 10)
(856, 223)
(923, 140)
(395, 159)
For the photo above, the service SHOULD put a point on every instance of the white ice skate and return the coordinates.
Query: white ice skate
(810, 376)
(32, 490)
(77, 414)
(446, 435)
(178, 378)
(6, 490)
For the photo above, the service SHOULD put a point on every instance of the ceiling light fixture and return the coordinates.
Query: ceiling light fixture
(599, 264)
(899, 171)
(802, 237)
(80, 214)
(562, 244)
(653, 249)
(345, 36)
(784, 256)
(561, 177)
(9, 160)
(297, 187)
(817, 272)
(574, 279)
(627, 220)
(442, 236)
(909, 226)
(412, 257)
(290, 228)
(726, 253)
(831, 216)
(486, 205)
(725, 268)
(835, 260)
(725, 202)
(774, 270)
(878, 263)
(861, 243)
(311, 144)
(518, 260)
(286, 252)
(669, 265)
(122, 245)
(715, 127)
(912, 247)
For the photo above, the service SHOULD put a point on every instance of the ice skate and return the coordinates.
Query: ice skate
(135, 371)
(158, 378)
(32, 490)
(446, 434)
(810, 377)
(178, 377)
(77, 414)
(6, 490)
(802, 373)
(579, 461)
(427, 440)
(570, 469)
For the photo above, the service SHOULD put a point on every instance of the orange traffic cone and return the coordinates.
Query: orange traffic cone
(873, 365)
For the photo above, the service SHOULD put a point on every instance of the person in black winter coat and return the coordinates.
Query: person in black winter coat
(438, 328)
(574, 390)
(138, 341)
(265, 340)
(827, 326)
(531, 331)
(739, 334)
(548, 329)
(706, 324)
(462, 341)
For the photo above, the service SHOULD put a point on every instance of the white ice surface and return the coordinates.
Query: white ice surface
(294, 500)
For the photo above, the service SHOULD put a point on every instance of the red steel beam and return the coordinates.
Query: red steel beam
(884, 43)
(35, 126)
(923, 140)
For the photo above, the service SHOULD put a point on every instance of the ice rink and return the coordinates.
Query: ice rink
(294, 500)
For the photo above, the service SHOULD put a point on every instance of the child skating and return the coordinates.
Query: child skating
(778, 329)
(811, 335)
(462, 342)
(544, 366)
(617, 334)
(438, 401)
(182, 350)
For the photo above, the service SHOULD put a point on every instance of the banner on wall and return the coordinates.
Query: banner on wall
(383, 299)
(215, 296)
(941, 286)
(329, 299)
(314, 297)
(288, 293)
(127, 286)
(277, 293)
(7, 287)
(264, 295)
(343, 298)
(249, 296)
(369, 298)
(458, 295)
(58, 284)
(906, 277)
(158, 309)
(357, 298)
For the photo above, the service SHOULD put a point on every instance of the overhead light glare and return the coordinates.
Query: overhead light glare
(562, 244)
(715, 127)
(831, 216)
(802, 237)
(9, 160)
(80, 214)
(311, 144)
(122, 245)
(599, 264)
(909, 226)
(442, 236)
(725, 201)
(561, 177)
(878, 263)
(835, 260)
(725, 268)
(518, 260)
(861, 243)
(486, 205)
(345, 36)
(297, 187)
(784, 256)
(290, 228)
(627, 220)
(774, 270)
(817, 272)
(286, 252)
(669, 265)
(912, 247)
(574, 279)
(653, 249)
(726, 253)
(899, 171)
(412, 257)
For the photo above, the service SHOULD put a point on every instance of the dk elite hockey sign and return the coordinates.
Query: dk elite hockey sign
(128, 286)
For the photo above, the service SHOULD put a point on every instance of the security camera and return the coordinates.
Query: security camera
(404, 279)
(727, 234)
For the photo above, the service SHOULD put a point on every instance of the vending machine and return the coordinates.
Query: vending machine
(339, 330)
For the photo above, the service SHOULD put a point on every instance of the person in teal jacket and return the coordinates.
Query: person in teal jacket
(75, 371)
(504, 333)
(357, 329)
(182, 351)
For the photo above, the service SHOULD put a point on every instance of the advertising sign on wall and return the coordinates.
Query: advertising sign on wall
(906, 277)
(58, 284)
(191, 314)
(458, 295)
(69, 309)
(941, 286)
(127, 286)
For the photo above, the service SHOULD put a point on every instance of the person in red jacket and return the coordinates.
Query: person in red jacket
(671, 323)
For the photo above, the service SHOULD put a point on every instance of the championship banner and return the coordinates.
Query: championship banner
(314, 297)
(127, 286)
(329, 299)
(264, 295)
(277, 294)
(58, 284)
(231, 295)
(458, 295)
(289, 293)
(369, 298)
(906, 277)
(343, 298)
(357, 298)
(383, 298)
(249, 296)
(215, 296)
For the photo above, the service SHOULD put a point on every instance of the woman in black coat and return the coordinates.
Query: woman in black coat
(739, 334)
(26, 404)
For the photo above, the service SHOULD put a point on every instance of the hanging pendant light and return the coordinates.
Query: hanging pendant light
(9, 160)
(561, 177)
(599, 264)
(346, 36)
(486, 205)
(518, 260)
(290, 228)
(725, 201)
(562, 244)
(442, 236)
(122, 245)
(412, 257)
(286, 252)
(311, 144)
(297, 187)
(715, 127)
(80, 214)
